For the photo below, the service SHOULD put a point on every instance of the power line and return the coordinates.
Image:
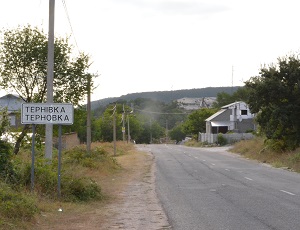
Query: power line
(146, 111)
(67, 14)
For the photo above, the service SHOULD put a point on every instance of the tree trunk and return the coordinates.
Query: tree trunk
(20, 138)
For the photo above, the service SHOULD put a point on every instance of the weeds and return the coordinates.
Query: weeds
(77, 183)
(16, 205)
(268, 153)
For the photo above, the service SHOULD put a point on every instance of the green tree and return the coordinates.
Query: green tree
(241, 94)
(196, 121)
(104, 124)
(23, 69)
(4, 121)
(275, 97)
(177, 133)
(151, 132)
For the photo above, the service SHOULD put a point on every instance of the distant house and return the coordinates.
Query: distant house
(195, 103)
(234, 118)
(13, 104)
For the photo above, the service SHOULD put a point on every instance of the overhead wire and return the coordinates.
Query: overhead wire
(70, 24)
(152, 112)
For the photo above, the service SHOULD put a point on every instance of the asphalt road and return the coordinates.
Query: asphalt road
(210, 188)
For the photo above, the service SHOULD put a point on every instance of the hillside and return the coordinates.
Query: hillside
(167, 96)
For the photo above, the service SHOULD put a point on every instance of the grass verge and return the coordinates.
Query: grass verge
(257, 150)
(81, 184)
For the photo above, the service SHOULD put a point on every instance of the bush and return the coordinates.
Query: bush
(80, 189)
(92, 160)
(7, 172)
(72, 188)
(16, 205)
(221, 139)
(275, 145)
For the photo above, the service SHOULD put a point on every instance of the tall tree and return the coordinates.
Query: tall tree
(23, 68)
(223, 98)
(196, 121)
(177, 133)
(275, 97)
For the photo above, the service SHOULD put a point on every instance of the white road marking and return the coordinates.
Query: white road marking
(248, 178)
(227, 170)
(288, 192)
(212, 164)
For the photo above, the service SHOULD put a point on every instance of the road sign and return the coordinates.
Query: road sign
(47, 113)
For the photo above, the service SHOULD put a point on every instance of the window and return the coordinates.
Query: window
(244, 112)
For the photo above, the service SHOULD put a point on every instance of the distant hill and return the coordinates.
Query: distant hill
(167, 96)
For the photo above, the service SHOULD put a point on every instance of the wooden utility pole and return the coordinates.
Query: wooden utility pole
(114, 130)
(50, 71)
(128, 127)
(123, 120)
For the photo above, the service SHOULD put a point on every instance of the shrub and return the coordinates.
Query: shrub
(221, 139)
(295, 158)
(78, 155)
(275, 145)
(16, 205)
(80, 189)
(7, 172)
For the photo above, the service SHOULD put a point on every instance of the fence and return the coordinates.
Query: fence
(231, 138)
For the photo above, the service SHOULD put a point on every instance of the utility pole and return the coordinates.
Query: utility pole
(128, 127)
(150, 131)
(123, 120)
(114, 130)
(50, 70)
(88, 122)
(167, 131)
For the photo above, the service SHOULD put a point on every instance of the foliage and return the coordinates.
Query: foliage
(151, 132)
(221, 140)
(177, 133)
(7, 171)
(15, 205)
(257, 149)
(196, 121)
(73, 186)
(137, 124)
(79, 182)
(80, 189)
(79, 125)
(23, 68)
(165, 96)
(275, 97)
(79, 156)
(166, 114)
(223, 98)
(193, 143)
(4, 123)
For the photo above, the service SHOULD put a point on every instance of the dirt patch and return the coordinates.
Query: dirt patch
(130, 203)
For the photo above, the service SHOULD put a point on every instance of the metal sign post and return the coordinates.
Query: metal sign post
(59, 163)
(47, 113)
(32, 157)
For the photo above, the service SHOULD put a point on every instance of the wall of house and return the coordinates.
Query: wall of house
(222, 117)
(245, 125)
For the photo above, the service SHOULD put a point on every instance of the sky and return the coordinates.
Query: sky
(162, 45)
